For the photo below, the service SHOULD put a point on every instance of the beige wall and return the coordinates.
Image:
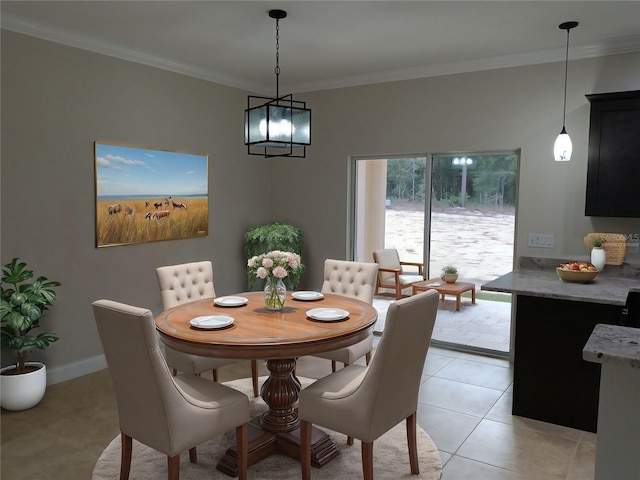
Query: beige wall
(507, 109)
(56, 101)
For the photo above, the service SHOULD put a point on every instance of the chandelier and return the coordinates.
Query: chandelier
(280, 126)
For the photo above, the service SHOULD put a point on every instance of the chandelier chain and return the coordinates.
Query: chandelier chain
(277, 69)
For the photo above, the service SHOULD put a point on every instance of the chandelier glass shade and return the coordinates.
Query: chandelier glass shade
(280, 123)
(280, 126)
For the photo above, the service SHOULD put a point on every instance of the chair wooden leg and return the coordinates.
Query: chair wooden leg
(349, 440)
(305, 449)
(367, 460)
(411, 441)
(367, 357)
(125, 461)
(174, 371)
(242, 446)
(193, 455)
(254, 376)
(333, 366)
(215, 374)
(173, 464)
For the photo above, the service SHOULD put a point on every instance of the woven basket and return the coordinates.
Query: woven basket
(615, 246)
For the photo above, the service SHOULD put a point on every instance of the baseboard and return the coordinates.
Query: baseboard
(75, 369)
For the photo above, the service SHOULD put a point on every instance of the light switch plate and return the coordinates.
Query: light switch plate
(541, 240)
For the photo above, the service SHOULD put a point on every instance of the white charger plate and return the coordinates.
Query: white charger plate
(231, 301)
(307, 296)
(211, 322)
(327, 314)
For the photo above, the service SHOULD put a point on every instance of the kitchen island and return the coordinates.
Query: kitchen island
(617, 349)
(553, 322)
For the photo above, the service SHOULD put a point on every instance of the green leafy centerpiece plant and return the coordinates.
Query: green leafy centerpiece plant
(23, 304)
(274, 267)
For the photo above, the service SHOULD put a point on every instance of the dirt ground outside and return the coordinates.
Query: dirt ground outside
(478, 240)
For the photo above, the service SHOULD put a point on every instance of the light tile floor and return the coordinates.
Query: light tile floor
(464, 405)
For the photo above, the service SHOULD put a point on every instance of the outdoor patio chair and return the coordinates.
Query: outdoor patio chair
(391, 273)
(365, 402)
(355, 280)
(188, 282)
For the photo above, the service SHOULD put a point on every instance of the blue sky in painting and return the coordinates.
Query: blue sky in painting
(138, 171)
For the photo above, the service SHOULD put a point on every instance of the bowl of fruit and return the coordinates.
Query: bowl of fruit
(577, 272)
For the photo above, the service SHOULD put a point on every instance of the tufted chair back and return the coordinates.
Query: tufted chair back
(351, 279)
(185, 283)
(189, 282)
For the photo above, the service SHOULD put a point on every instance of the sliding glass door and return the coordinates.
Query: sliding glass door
(445, 209)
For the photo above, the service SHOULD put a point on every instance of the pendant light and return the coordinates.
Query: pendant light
(562, 148)
(280, 126)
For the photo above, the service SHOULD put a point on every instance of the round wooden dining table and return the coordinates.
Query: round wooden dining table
(279, 337)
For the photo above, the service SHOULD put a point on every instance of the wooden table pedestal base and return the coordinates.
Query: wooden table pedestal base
(278, 430)
(263, 443)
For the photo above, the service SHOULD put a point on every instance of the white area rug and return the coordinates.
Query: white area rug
(391, 457)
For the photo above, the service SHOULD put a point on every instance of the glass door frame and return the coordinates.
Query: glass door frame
(351, 223)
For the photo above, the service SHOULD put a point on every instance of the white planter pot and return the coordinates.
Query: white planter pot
(449, 277)
(20, 392)
(598, 257)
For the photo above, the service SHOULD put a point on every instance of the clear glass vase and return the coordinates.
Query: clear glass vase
(275, 293)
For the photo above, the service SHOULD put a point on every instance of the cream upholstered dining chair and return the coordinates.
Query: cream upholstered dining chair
(188, 282)
(355, 280)
(365, 402)
(391, 273)
(169, 414)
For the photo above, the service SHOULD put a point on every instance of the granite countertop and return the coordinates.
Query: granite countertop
(613, 344)
(539, 279)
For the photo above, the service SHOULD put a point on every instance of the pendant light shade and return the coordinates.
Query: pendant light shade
(563, 148)
(280, 126)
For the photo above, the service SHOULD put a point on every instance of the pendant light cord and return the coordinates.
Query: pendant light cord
(566, 69)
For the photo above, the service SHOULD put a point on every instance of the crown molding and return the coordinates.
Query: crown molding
(59, 35)
(616, 46)
(66, 37)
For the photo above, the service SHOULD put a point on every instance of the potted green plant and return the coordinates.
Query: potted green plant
(23, 304)
(449, 274)
(270, 237)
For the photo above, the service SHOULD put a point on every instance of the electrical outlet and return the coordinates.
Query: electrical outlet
(541, 240)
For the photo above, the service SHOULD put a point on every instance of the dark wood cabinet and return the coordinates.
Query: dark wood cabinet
(552, 382)
(613, 173)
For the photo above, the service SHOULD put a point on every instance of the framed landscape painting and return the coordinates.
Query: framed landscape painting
(145, 195)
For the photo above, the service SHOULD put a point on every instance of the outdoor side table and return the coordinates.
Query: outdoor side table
(457, 289)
